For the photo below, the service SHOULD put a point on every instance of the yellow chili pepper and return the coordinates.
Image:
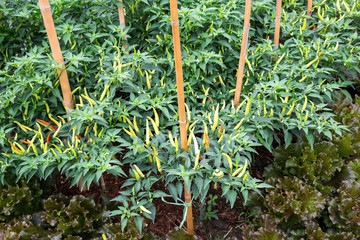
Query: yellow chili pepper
(23, 127)
(216, 118)
(241, 104)
(239, 124)
(271, 113)
(218, 173)
(246, 176)
(6, 155)
(156, 117)
(62, 119)
(205, 131)
(142, 208)
(306, 116)
(197, 160)
(244, 169)
(148, 83)
(291, 109)
(278, 61)
(237, 171)
(104, 92)
(136, 175)
(91, 101)
(305, 104)
(157, 160)
(171, 139)
(135, 125)
(248, 107)
(229, 161)
(154, 125)
(139, 171)
(176, 144)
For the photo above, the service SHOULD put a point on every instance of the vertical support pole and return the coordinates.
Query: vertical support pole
(181, 101)
(240, 72)
(122, 20)
(309, 7)
(55, 48)
(277, 22)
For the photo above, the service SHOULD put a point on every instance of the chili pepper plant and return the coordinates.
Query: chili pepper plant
(125, 99)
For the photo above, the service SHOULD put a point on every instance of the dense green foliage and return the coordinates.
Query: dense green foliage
(57, 217)
(18, 200)
(316, 191)
(126, 98)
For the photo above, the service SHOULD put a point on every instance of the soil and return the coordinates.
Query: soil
(168, 217)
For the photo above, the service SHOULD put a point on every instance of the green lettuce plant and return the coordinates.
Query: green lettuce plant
(293, 201)
(18, 200)
(345, 209)
(315, 166)
(268, 230)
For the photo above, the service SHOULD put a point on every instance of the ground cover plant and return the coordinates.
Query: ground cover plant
(314, 189)
(125, 120)
(57, 217)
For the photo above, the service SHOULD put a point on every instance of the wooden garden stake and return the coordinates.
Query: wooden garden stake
(277, 22)
(309, 7)
(244, 42)
(122, 20)
(181, 102)
(55, 48)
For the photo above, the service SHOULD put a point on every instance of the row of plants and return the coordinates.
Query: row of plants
(125, 99)
(25, 215)
(315, 196)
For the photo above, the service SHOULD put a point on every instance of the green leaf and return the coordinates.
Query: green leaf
(245, 194)
(124, 222)
(173, 191)
(310, 138)
(231, 196)
(138, 222)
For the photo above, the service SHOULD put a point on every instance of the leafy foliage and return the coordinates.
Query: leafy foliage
(332, 167)
(292, 201)
(63, 217)
(125, 99)
(315, 166)
(18, 200)
(77, 215)
(266, 232)
(345, 209)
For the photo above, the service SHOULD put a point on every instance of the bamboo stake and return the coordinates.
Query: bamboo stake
(122, 20)
(55, 48)
(181, 101)
(277, 22)
(309, 7)
(244, 42)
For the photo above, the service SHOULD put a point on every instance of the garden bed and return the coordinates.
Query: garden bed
(281, 164)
